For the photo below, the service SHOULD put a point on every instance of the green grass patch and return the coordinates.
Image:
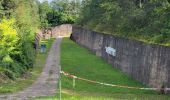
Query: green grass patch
(107, 97)
(21, 83)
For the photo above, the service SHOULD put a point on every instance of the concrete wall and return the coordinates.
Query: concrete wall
(148, 64)
(62, 30)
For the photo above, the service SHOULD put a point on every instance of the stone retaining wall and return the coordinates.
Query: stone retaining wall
(147, 63)
(62, 30)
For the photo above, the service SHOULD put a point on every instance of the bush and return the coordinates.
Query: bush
(16, 52)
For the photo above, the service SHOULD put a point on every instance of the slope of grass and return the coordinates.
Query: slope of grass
(107, 97)
(81, 62)
(19, 84)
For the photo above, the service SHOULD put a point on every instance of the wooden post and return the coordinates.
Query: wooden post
(74, 82)
(60, 81)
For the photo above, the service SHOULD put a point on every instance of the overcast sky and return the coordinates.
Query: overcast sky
(43, 0)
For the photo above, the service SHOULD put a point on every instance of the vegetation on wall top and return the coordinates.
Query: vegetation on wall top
(145, 20)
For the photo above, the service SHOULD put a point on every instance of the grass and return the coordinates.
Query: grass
(107, 97)
(21, 83)
(81, 62)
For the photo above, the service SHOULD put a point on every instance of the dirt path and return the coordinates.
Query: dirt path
(46, 84)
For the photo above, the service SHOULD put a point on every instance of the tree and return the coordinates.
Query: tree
(6, 7)
(59, 12)
(147, 20)
(44, 9)
(18, 24)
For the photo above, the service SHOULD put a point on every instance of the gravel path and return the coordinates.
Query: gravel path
(46, 84)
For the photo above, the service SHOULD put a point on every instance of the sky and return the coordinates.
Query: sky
(43, 0)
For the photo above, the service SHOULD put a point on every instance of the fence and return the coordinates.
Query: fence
(107, 84)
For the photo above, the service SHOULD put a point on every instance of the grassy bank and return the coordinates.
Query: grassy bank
(19, 84)
(106, 97)
(81, 62)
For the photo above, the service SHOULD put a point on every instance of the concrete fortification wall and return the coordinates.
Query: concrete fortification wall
(147, 63)
(62, 30)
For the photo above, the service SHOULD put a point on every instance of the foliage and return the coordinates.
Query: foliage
(44, 9)
(19, 20)
(59, 12)
(27, 24)
(8, 47)
(11, 87)
(146, 20)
